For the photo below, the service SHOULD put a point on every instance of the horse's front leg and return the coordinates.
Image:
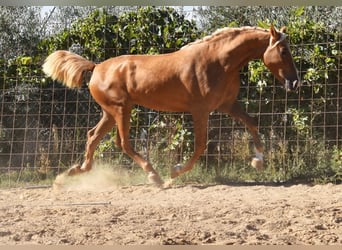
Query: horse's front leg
(239, 114)
(200, 129)
(94, 137)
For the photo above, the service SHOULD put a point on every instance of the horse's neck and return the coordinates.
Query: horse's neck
(257, 45)
(245, 47)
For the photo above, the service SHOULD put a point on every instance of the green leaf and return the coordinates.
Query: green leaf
(300, 11)
(26, 60)
(263, 24)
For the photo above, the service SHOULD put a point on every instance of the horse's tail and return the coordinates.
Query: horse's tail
(67, 68)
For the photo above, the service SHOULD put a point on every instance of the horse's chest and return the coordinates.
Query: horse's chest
(220, 91)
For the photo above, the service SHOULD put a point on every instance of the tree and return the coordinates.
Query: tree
(102, 35)
(214, 17)
(20, 30)
(60, 18)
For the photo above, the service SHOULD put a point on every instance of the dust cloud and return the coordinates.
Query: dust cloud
(102, 177)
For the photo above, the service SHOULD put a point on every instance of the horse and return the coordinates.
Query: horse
(201, 77)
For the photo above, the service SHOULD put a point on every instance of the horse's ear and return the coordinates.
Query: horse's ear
(283, 29)
(274, 33)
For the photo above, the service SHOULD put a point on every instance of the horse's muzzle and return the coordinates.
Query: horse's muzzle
(291, 85)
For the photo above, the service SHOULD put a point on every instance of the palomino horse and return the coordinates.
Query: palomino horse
(201, 77)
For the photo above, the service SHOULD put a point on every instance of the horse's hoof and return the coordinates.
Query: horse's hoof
(155, 179)
(168, 184)
(257, 164)
(74, 170)
(176, 170)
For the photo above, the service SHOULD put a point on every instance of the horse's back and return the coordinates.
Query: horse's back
(153, 81)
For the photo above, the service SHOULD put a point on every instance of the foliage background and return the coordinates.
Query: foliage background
(43, 125)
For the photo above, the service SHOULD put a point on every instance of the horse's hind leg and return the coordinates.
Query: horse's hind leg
(122, 117)
(94, 136)
(237, 113)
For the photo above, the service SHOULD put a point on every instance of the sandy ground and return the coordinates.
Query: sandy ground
(95, 210)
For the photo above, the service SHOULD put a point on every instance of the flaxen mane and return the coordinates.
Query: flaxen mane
(223, 32)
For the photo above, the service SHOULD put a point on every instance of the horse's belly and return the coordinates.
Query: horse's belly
(163, 102)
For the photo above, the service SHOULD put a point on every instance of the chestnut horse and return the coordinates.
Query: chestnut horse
(201, 77)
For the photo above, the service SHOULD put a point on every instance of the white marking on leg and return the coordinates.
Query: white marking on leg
(178, 168)
(257, 161)
(259, 156)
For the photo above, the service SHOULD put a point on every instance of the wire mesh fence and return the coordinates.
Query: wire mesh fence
(43, 126)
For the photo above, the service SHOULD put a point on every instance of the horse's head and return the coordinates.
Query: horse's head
(279, 61)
